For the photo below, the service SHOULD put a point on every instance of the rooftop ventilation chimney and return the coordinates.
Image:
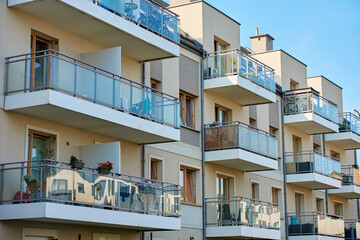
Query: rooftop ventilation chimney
(261, 43)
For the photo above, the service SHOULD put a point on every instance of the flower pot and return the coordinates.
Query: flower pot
(104, 171)
(77, 164)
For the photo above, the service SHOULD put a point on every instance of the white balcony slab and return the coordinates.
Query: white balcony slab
(311, 123)
(65, 109)
(347, 191)
(90, 21)
(241, 159)
(314, 237)
(61, 213)
(239, 90)
(345, 140)
(242, 232)
(313, 180)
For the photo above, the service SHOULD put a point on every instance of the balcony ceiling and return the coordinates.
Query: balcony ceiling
(79, 113)
(347, 191)
(61, 213)
(313, 181)
(241, 160)
(345, 140)
(239, 90)
(99, 25)
(311, 123)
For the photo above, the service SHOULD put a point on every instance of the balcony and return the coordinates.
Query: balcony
(145, 30)
(350, 186)
(240, 146)
(306, 110)
(51, 191)
(59, 88)
(239, 217)
(352, 229)
(308, 226)
(349, 132)
(238, 77)
(312, 170)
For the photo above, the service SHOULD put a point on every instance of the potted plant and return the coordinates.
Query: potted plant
(105, 167)
(76, 163)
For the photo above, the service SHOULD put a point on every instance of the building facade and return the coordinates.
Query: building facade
(206, 139)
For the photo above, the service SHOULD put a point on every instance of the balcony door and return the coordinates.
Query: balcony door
(297, 148)
(299, 204)
(223, 187)
(39, 65)
(220, 60)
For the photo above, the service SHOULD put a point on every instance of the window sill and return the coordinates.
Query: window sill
(189, 128)
(190, 204)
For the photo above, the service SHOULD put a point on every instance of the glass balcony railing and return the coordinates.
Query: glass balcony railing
(232, 135)
(51, 181)
(312, 162)
(52, 70)
(349, 122)
(147, 14)
(315, 224)
(307, 100)
(350, 175)
(234, 211)
(233, 62)
(352, 229)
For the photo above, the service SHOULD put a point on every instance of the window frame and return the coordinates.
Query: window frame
(219, 108)
(275, 192)
(184, 96)
(220, 176)
(185, 170)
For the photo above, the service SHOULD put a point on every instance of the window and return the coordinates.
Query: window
(156, 169)
(316, 148)
(338, 209)
(154, 84)
(275, 195)
(320, 205)
(252, 122)
(221, 114)
(187, 102)
(188, 184)
(255, 194)
(334, 154)
(273, 130)
(223, 186)
(293, 85)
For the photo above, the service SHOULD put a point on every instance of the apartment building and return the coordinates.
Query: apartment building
(85, 80)
(208, 139)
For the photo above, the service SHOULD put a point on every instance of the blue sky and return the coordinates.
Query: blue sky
(324, 34)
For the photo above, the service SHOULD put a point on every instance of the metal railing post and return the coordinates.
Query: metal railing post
(21, 182)
(75, 77)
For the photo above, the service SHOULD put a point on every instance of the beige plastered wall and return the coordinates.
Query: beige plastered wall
(14, 230)
(286, 68)
(18, 25)
(327, 89)
(204, 23)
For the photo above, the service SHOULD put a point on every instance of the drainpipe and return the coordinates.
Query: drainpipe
(358, 202)
(203, 150)
(142, 147)
(326, 191)
(284, 165)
